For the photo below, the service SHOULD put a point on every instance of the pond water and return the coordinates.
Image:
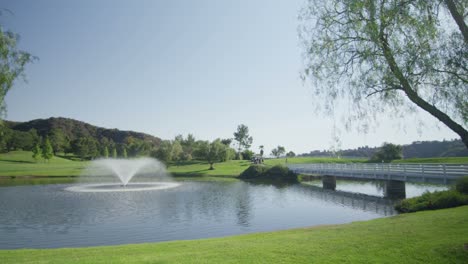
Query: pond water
(50, 216)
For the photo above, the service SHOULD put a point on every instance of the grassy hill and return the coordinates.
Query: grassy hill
(21, 163)
(424, 237)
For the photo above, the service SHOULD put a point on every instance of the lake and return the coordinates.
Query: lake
(49, 216)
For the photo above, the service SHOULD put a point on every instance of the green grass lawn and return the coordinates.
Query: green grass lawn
(434, 160)
(21, 163)
(423, 237)
(301, 160)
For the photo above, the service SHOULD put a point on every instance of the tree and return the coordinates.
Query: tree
(114, 152)
(124, 152)
(47, 151)
(58, 140)
(12, 63)
(388, 56)
(177, 152)
(290, 154)
(164, 152)
(387, 153)
(227, 141)
(278, 151)
(242, 137)
(37, 152)
(213, 152)
(105, 152)
(261, 150)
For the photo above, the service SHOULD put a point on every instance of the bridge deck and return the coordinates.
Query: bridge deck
(435, 173)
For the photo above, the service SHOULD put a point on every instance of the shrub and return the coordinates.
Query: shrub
(254, 171)
(247, 154)
(462, 185)
(277, 172)
(432, 201)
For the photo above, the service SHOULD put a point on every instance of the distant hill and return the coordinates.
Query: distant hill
(74, 129)
(417, 149)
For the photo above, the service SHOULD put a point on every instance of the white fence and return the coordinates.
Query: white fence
(437, 173)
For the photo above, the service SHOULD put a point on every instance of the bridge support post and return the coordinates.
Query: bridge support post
(395, 189)
(329, 182)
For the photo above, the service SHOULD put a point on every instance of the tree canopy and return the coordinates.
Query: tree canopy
(12, 63)
(242, 137)
(388, 56)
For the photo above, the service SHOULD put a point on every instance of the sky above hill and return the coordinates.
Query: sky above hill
(179, 67)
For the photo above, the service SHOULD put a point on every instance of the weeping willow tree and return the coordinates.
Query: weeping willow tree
(389, 56)
(12, 63)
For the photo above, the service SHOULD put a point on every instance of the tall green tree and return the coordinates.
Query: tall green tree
(105, 152)
(261, 150)
(114, 152)
(164, 152)
(12, 63)
(387, 153)
(213, 152)
(244, 140)
(37, 152)
(47, 150)
(58, 140)
(278, 151)
(389, 56)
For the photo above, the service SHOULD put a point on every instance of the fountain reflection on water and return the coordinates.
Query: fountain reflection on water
(153, 176)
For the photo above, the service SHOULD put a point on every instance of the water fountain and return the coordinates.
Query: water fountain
(152, 172)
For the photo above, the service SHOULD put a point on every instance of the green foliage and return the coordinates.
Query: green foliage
(278, 151)
(432, 201)
(290, 154)
(12, 63)
(242, 137)
(37, 152)
(462, 185)
(177, 151)
(164, 152)
(105, 152)
(254, 171)
(387, 153)
(85, 148)
(277, 172)
(247, 154)
(47, 151)
(114, 152)
(213, 152)
(58, 140)
(386, 57)
(124, 153)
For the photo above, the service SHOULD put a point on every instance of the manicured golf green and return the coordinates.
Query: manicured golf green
(425, 237)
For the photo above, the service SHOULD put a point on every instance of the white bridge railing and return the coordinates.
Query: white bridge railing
(438, 173)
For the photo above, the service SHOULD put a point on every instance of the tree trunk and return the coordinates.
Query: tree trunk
(415, 98)
(211, 166)
(458, 19)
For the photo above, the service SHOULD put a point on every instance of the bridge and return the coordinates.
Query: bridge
(395, 175)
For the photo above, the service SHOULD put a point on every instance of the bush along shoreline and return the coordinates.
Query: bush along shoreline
(457, 196)
(265, 172)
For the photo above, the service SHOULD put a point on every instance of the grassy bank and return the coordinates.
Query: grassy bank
(448, 160)
(423, 237)
(21, 163)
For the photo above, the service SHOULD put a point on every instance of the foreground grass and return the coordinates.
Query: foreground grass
(423, 237)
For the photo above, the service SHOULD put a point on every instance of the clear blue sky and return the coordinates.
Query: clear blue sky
(178, 67)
